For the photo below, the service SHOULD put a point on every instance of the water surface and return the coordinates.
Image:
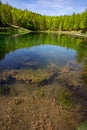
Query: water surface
(43, 77)
(40, 50)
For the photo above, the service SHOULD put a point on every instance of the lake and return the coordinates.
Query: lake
(43, 52)
(43, 73)
(40, 49)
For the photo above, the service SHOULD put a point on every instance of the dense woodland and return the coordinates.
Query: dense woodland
(34, 21)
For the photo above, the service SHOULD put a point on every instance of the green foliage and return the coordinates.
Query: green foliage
(76, 24)
(83, 126)
(6, 16)
(64, 97)
(34, 21)
(83, 24)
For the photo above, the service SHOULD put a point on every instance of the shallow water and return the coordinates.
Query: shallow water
(41, 50)
(42, 78)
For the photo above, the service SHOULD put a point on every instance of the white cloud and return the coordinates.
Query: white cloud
(50, 7)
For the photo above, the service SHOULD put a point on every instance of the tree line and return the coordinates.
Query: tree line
(35, 22)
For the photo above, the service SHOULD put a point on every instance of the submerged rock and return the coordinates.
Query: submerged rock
(7, 80)
(28, 76)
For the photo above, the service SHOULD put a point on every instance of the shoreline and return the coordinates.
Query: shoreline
(71, 33)
(16, 30)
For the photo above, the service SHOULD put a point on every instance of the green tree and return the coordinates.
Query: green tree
(83, 24)
(6, 16)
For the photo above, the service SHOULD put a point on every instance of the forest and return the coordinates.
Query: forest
(33, 21)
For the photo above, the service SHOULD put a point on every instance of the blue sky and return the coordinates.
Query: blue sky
(50, 7)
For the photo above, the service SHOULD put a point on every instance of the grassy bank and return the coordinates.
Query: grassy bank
(15, 30)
